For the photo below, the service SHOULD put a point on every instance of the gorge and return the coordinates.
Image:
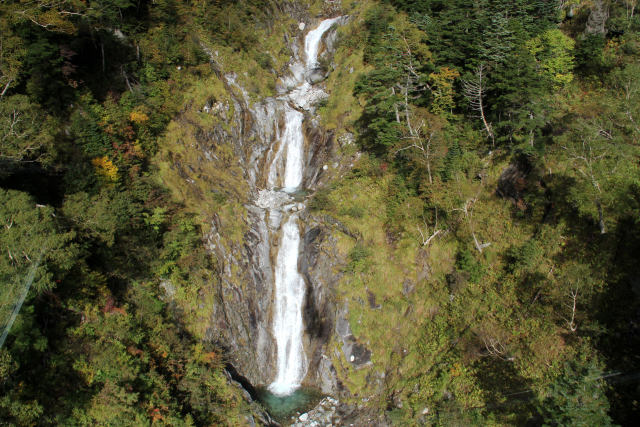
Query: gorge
(289, 285)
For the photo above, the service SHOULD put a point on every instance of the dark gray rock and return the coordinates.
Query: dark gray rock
(596, 23)
(318, 264)
(355, 353)
(317, 75)
(513, 182)
(407, 287)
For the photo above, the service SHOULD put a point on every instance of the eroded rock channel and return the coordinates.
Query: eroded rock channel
(274, 311)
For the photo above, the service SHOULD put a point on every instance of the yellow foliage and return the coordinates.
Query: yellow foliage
(442, 82)
(138, 117)
(456, 369)
(105, 168)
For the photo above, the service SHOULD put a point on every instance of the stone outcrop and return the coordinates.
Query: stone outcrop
(355, 353)
(331, 412)
(513, 182)
(324, 414)
(596, 23)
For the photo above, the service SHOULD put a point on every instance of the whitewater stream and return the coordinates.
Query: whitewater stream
(285, 176)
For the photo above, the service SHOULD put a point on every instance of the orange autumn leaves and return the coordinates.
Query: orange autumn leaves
(105, 167)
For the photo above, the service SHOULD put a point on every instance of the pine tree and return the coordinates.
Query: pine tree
(576, 398)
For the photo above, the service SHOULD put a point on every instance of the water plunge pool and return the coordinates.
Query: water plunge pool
(285, 409)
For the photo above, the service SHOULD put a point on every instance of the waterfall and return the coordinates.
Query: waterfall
(286, 172)
(287, 324)
(312, 41)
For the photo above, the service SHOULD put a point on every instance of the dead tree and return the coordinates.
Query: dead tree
(406, 88)
(596, 23)
(573, 294)
(585, 158)
(494, 347)
(423, 143)
(631, 7)
(474, 90)
(423, 234)
(467, 210)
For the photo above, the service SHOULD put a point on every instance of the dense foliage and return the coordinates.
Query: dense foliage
(501, 138)
(493, 207)
(108, 262)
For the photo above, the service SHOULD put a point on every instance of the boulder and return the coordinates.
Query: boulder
(317, 75)
(596, 24)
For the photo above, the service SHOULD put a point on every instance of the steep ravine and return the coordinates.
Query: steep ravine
(230, 164)
(243, 318)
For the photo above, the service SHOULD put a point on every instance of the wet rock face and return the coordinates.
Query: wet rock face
(317, 75)
(241, 318)
(320, 151)
(318, 262)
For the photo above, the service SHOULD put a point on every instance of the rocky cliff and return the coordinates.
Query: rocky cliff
(224, 150)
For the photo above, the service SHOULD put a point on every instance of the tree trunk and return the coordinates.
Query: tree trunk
(603, 228)
(395, 106)
(6, 87)
(429, 161)
(102, 53)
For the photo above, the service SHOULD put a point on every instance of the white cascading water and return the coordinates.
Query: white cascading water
(288, 324)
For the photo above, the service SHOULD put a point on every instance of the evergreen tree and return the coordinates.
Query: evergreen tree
(576, 398)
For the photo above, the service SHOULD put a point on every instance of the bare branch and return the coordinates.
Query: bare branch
(427, 240)
(474, 90)
(493, 347)
(6, 87)
(573, 294)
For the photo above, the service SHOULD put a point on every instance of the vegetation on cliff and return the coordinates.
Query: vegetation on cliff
(491, 260)
(497, 204)
(111, 330)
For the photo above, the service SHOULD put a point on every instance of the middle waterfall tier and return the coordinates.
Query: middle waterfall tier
(290, 154)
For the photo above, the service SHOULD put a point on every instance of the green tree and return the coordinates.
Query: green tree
(11, 55)
(577, 397)
(553, 51)
(12, 407)
(401, 58)
(599, 161)
(26, 132)
(30, 238)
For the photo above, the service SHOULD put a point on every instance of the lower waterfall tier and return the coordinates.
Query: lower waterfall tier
(288, 325)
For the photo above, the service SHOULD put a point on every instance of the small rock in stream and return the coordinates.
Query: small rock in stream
(324, 414)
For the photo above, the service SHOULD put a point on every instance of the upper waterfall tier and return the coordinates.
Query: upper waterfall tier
(286, 168)
(312, 42)
(299, 91)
